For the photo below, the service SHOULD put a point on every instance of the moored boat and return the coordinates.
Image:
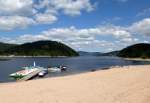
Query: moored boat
(42, 73)
(57, 69)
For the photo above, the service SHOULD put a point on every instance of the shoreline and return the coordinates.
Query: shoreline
(78, 73)
(119, 84)
(33, 57)
(136, 59)
(9, 57)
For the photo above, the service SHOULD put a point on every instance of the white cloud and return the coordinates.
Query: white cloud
(129, 40)
(20, 7)
(145, 41)
(22, 13)
(116, 31)
(12, 22)
(141, 27)
(69, 7)
(94, 45)
(45, 18)
(72, 7)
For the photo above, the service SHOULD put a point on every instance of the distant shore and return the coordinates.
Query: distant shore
(117, 85)
(137, 59)
(32, 56)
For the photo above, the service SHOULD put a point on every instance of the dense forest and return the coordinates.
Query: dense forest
(5, 46)
(141, 50)
(39, 48)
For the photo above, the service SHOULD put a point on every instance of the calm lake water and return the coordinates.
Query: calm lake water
(75, 64)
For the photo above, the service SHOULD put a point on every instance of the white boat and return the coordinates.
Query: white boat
(54, 69)
(42, 73)
(57, 69)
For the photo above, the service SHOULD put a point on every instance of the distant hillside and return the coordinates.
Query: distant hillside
(83, 53)
(41, 48)
(141, 50)
(113, 53)
(5, 46)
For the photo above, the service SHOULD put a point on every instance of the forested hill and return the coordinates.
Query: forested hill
(141, 50)
(5, 46)
(40, 48)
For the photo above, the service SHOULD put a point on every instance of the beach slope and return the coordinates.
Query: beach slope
(130, 84)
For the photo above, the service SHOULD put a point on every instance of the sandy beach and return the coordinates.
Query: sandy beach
(130, 84)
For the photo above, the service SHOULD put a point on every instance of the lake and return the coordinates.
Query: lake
(75, 64)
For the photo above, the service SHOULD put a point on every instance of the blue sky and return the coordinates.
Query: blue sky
(88, 25)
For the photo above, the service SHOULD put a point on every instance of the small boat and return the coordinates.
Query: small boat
(26, 71)
(54, 69)
(42, 73)
(63, 68)
(57, 69)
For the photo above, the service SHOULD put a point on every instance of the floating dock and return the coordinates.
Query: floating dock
(29, 76)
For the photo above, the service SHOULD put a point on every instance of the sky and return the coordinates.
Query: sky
(84, 25)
